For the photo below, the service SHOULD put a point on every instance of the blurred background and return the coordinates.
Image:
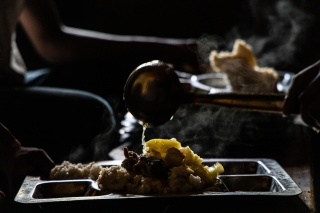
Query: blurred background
(284, 34)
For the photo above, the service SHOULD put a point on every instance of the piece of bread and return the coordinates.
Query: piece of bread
(242, 69)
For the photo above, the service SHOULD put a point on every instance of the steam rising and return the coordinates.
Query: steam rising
(98, 149)
(280, 32)
(286, 27)
(278, 35)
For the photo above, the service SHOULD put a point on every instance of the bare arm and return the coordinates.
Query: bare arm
(57, 43)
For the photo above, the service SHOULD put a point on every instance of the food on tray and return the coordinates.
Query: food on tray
(163, 167)
(67, 170)
(243, 71)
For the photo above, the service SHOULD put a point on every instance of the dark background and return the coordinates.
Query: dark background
(284, 34)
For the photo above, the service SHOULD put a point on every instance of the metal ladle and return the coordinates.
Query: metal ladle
(153, 93)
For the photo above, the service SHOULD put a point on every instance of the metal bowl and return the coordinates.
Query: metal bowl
(219, 82)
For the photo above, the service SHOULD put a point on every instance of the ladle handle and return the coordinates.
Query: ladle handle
(272, 103)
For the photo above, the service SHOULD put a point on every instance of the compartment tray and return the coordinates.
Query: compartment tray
(242, 177)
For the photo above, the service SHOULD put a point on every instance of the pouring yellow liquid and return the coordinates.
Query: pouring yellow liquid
(144, 128)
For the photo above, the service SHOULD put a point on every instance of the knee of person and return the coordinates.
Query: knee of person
(89, 103)
(100, 105)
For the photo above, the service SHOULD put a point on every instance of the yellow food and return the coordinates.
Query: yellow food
(159, 147)
(164, 167)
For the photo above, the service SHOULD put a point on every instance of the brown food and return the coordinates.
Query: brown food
(142, 165)
(164, 167)
(243, 71)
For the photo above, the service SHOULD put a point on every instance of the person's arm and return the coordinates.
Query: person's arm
(8, 145)
(57, 43)
(304, 96)
(17, 161)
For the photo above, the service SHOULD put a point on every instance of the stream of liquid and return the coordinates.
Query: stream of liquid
(144, 127)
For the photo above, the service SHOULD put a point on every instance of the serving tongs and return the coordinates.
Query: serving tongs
(154, 91)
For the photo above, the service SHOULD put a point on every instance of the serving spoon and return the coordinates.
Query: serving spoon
(153, 93)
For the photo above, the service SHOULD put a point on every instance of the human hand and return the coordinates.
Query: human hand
(304, 96)
(27, 161)
(17, 161)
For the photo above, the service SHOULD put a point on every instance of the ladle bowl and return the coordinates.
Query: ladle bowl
(152, 93)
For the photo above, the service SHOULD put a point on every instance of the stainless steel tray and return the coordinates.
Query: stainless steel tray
(255, 185)
(242, 177)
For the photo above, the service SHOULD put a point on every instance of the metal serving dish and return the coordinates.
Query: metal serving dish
(212, 83)
(242, 177)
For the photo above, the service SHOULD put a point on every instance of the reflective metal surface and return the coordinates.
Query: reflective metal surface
(242, 177)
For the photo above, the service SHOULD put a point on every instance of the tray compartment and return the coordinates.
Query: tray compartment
(252, 183)
(58, 189)
(241, 167)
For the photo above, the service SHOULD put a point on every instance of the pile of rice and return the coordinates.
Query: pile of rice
(186, 172)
